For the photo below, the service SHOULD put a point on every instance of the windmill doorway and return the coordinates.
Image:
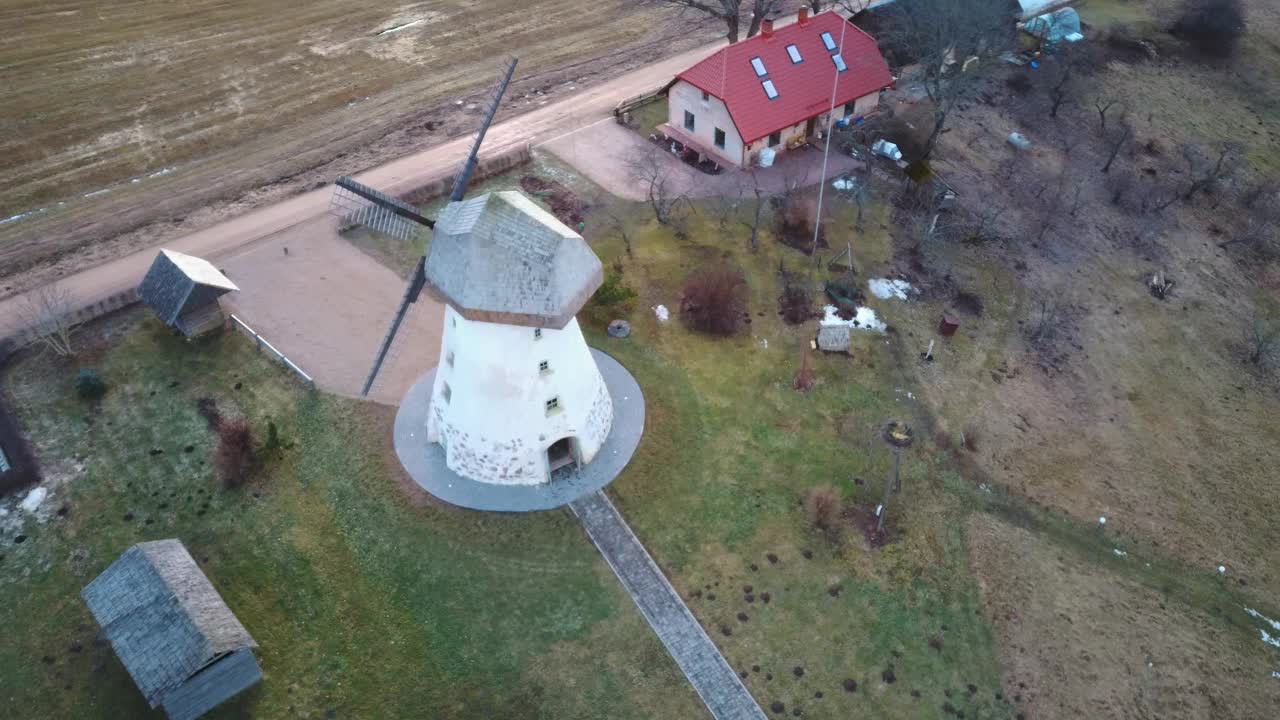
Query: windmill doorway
(562, 453)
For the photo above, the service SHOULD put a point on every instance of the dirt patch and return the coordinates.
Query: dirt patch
(565, 205)
(1080, 641)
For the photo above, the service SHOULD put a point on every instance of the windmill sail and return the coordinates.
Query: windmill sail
(460, 182)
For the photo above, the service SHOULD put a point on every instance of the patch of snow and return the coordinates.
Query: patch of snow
(662, 313)
(884, 288)
(1275, 673)
(1119, 552)
(764, 343)
(33, 499)
(1270, 640)
(398, 28)
(1222, 569)
(864, 319)
(843, 184)
(163, 171)
(1263, 618)
(103, 191)
(1102, 520)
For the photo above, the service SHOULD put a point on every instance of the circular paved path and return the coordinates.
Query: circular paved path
(426, 464)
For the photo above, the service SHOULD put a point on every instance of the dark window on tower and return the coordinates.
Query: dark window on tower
(537, 333)
(705, 96)
(775, 138)
(719, 138)
(688, 120)
(446, 393)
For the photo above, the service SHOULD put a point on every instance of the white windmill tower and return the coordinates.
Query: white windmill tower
(517, 393)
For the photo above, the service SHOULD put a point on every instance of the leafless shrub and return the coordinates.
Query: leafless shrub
(796, 302)
(648, 168)
(714, 300)
(1047, 316)
(822, 504)
(235, 455)
(1261, 341)
(48, 311)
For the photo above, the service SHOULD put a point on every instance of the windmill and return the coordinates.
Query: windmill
(363, 205)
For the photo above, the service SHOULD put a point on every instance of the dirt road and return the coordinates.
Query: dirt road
(536, 127)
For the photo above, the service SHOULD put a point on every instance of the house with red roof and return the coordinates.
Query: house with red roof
(776, 89)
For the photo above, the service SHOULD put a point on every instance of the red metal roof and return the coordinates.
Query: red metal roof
(804, 89)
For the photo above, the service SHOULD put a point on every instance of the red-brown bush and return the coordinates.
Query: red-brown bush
(235, 455)
(714, 300)
(823, 505)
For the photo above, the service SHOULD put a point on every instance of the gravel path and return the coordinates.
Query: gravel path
(698, 657)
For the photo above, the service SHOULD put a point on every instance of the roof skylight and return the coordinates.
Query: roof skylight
(839, 61)
(758, 65)
(829, 41)
(769, 89)
(794, 52)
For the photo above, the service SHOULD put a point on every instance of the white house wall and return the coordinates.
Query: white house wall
(708, 115)
(494, 425)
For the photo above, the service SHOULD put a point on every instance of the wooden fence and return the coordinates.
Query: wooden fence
(262, 343)
(640, 100)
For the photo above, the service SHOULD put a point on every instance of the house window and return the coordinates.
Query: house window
(769, 89)
(454, 320)
(849, 108)
(839, 61)
(553, 406)
(705, 96)
(719, 138)
(829, 41)
(688, 121)
(445, 392)
(544, 367)
(775, 138)
(758, 65)
(794, 52)
(449, 358)
(537, 332)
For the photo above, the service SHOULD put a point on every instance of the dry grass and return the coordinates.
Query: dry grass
(234, 96)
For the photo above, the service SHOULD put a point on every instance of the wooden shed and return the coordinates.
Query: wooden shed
(179, 641)
(183, 290)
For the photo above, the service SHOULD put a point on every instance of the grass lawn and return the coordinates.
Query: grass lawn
(362, 603)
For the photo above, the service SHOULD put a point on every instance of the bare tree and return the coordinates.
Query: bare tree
(47, 311)
(1262, 341)
(1117, 138)
(1047, 316)
(648, 168)
(620, 229)
(1207, 174)
(937, 33)
(1103, 106)
(758, 207)
(730, 13)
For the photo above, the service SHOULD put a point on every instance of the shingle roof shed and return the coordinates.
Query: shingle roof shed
(178, 283)
(168, 624)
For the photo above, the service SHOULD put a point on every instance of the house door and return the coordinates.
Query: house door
(560, 454)
(810, 126)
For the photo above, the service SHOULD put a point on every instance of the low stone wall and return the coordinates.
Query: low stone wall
(486, 167)
(9, 346)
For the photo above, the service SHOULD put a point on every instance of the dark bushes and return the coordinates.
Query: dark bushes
(714, 300)
(1214, 27)
(22, 469)
(89, 386)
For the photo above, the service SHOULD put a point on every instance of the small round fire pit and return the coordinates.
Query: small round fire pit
(619, 328)
(898, 434)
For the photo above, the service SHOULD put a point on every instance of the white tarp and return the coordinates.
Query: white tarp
(1032, 8)
(1055, 27)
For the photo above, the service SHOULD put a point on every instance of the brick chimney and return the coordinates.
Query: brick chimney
(804, 16)
(766, 27)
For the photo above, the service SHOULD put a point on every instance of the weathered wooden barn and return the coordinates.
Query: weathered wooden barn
(183, 290)
(179, 641)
